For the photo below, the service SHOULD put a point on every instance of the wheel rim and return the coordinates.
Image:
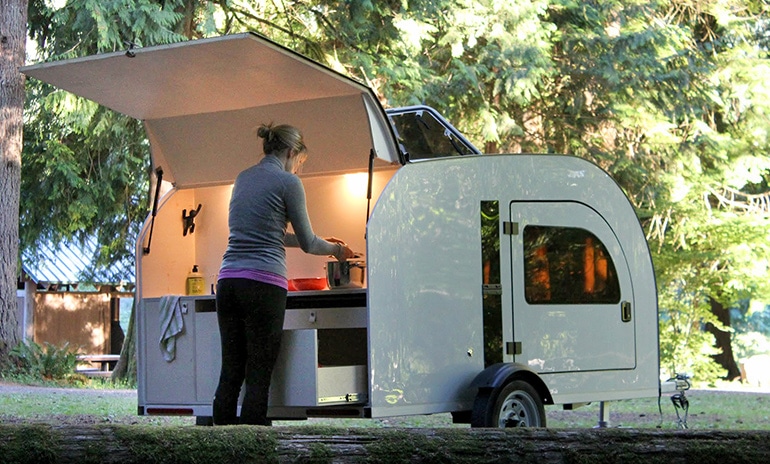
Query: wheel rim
(518, 410)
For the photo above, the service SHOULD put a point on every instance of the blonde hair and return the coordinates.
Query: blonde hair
(280, 138)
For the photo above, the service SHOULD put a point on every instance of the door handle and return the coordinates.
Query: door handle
(625, 311)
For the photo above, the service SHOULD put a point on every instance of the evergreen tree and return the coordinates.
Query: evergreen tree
(667, 96)
(13, 17)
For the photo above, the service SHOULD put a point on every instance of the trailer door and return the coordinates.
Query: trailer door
(572, 292)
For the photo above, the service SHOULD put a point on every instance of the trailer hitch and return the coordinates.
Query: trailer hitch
(680, 400)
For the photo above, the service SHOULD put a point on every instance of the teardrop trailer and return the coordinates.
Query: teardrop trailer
(495, 284)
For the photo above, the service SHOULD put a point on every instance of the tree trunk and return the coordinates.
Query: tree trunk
(13, 36)
(187, 24)
(132, 443)
(723, 341)
(125, 369)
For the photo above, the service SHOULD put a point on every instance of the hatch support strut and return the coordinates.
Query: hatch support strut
(159, 175)
(369, 186)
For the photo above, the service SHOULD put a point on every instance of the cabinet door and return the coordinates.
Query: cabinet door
(572, 298)
(166, 382)
(208, 355)
(294, 378)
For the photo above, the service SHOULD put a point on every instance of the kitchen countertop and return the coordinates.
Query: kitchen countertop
(303, 299)
(340, 297)
(299, 293)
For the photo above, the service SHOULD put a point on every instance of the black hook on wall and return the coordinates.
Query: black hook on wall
(189, 220)
(130, 51)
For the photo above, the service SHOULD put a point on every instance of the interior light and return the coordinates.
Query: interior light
(357, 184)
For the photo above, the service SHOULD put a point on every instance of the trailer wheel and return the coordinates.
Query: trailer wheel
(517, 405)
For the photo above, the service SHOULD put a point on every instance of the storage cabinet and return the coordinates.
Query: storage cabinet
(302, 379)
(176, 384)
(323, 357)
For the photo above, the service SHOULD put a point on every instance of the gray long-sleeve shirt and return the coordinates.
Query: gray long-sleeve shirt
(265, 199)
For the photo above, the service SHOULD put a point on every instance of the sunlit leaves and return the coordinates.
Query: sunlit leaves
(413, 32)
(751, 168)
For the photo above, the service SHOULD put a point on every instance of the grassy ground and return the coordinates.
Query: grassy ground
(709, 409)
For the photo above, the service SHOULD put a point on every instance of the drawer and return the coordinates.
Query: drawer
(342, 384)
(325, 318)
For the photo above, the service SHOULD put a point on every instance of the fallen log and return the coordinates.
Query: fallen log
(42, 443)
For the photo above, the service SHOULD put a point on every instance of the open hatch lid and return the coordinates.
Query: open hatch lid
(201, 102)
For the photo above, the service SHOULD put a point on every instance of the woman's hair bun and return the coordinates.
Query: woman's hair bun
(280, 137)
(265, 131)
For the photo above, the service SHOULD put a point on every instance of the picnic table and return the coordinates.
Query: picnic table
(99, 365)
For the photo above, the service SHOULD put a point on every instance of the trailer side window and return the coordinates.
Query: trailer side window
(491, 290)
(564, 265)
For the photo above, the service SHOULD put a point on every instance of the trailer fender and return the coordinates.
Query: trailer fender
(495, 377)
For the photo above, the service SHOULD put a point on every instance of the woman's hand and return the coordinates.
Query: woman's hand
(344, 252)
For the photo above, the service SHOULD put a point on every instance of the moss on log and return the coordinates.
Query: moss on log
(244, 444)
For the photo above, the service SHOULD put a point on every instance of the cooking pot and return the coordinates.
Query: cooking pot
(346, 274)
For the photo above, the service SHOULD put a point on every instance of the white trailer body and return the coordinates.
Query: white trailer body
(482, 270)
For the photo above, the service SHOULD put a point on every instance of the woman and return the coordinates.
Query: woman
(252, 286)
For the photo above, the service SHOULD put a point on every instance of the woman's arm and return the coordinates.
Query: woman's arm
(303, 235)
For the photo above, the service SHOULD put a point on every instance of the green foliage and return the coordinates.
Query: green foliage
(487, 61)
(47, 362)
(85, 168)
(85, 173)
(751, 323)
(199, 444)
(748, 344)
(84, 27)
(684, 346)
(28, 444)
(670, 97)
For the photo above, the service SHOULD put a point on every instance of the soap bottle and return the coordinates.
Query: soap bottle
(194, 284)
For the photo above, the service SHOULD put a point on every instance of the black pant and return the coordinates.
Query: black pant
(250, 316)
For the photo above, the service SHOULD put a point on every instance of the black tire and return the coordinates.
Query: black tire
(480, 416)
(517, 405)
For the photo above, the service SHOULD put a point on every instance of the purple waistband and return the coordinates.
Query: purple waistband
(253, 274)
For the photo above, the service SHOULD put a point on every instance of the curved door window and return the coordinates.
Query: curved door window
(567, 265)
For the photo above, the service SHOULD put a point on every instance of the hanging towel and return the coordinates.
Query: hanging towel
(171, 325)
